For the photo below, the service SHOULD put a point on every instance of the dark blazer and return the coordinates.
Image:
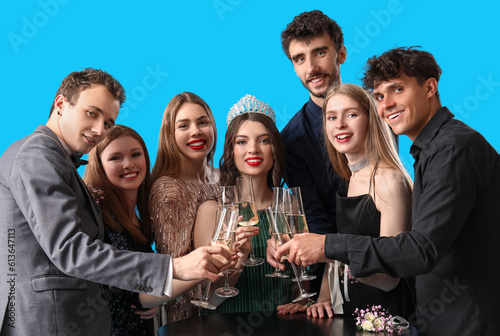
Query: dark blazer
(52, 259)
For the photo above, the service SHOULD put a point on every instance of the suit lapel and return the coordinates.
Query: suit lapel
(95, 207)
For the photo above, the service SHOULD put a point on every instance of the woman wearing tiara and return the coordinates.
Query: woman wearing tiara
(376, 203)
(184, 178)
(253, 147)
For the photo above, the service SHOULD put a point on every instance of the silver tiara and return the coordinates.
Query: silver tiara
(250, 104)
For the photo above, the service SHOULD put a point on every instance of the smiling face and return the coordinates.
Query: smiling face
(253, 154)
(346, 126)
(124, 163)
(194, 133)
(83, 125)
(317, 64)
(405, 105)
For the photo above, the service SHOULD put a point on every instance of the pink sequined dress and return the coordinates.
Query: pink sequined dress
(173, 204)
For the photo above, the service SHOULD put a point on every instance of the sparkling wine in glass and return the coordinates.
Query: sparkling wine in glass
(296, 217)
(220, 237)
(228, 198)
(284, 233)
(277, 200)
(225, 238)
(248, 212)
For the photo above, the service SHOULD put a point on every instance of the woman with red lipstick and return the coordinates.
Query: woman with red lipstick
(377, 201)
(118, 177)
(183, 179)
(253, 147)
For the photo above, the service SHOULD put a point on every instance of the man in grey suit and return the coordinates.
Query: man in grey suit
(52, 257)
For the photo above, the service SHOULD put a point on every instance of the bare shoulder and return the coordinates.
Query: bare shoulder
(207, 207)
(390, 184)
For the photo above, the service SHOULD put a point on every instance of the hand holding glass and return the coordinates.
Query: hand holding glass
(296, 216)
(275, 204)
(248, 212)
(282, 233)
(218, 239)
(225, 236)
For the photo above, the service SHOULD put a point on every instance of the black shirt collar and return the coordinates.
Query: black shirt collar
(430, 129)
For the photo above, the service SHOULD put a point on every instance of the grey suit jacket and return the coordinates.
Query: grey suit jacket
(52, 259)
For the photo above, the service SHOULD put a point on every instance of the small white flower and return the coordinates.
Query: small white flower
(367, 325)
(378, 323)
(369, 317)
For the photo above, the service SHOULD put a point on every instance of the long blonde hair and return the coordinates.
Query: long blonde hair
(379, 143)
(168, 159)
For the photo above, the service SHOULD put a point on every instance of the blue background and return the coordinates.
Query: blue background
(223, 49)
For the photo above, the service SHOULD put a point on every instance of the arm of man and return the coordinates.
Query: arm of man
(450, 184)
(57, 209)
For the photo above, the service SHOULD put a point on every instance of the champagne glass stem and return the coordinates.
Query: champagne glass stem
(207, 292)
(302, 291)
(226, 281)
(251, 257)
(303, 271)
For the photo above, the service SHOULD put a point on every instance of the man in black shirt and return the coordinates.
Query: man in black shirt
(451, 248)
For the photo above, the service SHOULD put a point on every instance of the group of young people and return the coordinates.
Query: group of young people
(423, 249)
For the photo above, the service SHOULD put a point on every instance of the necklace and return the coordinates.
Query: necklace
(359, 165)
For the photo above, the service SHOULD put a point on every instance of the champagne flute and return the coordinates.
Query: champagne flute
(248, 212)
(225, 238)
(277, 200)
(283, 233)
(214, 241)
(296, 216)
(229, 199)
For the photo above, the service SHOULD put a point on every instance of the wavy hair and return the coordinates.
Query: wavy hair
(308, 25)
(379, 144)
(228, 170)
(396, 62)
(114, 206)
(168, 158)
(77, 81)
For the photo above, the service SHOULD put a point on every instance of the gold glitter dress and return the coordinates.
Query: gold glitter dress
(173, 204)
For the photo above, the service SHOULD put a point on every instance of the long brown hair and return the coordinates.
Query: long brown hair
(168, 159)
(379, 143)
(112, 201)
(228, 170)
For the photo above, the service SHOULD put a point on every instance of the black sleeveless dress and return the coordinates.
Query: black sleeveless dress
(359, 215)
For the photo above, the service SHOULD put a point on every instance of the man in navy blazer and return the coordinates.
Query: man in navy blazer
(52, 258)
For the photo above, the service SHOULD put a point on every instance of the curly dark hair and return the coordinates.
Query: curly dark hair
(228, 170)
(396, 62)
(77, 81)
(309, 25)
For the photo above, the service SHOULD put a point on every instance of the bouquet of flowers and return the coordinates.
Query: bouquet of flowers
(374, 319)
